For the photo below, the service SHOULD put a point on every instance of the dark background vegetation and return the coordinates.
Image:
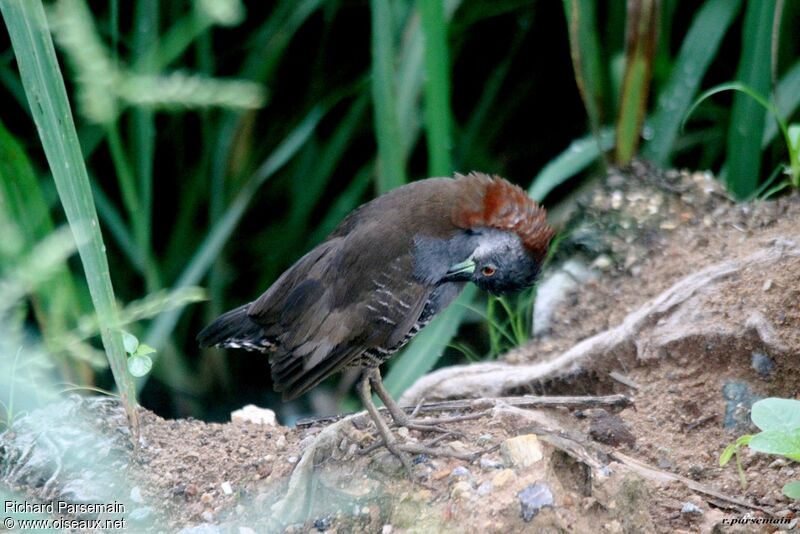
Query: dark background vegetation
(312, 149)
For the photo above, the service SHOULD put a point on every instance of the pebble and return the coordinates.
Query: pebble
(323, 523)
(690, 509)
(280, 442)
(136, 494)
(226, 488)
(387, 529)
(767, 285)
(254, 415)
(483, 439)
(440, 474)
(488, 463)
(292, 459)
(762, 364)
(206, 498)
(485, 488)
(533, 498)
(503, 477)
(522, 451)
(207, 516)
(460, 472)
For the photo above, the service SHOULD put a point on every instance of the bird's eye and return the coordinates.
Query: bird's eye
(489, 270)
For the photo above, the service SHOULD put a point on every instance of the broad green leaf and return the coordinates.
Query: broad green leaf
(144, 349)
(792, 489)
(783, 442)
(776, 414)
(139, 365)
(130, 342)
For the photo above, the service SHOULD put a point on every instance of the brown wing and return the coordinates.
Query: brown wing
(350, 294)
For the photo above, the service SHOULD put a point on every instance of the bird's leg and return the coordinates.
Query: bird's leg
(402, 419)
(388, 438)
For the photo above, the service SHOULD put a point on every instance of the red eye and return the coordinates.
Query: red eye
(488, 270)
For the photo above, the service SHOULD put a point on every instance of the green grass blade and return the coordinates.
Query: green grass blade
(640, 49)
(585, 50)
(437, 88)
(698, 49)
(391, 163)
(787, 100)
(746, 126)
(580, 154)
(44, 87)
(426, 349)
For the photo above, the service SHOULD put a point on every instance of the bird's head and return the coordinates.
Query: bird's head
(501, 241)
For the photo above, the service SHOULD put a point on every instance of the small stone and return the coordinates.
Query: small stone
(461, 489)
(609, 428)
(522, 451)
(602, 263)
(440, 474)
(485, 488)
(460, 472)
(767, 285)
(690, 509)
(254, 415)
(503, 477)
(420, 459)
(136, 494)
(533, 498)
(292, 459)
(323, 523)
(280, 442)
(207, 516)
(226, 488)
(402, 432)
(387, 529)
(762, 364)
(264, 470)
(483, 439)
(206, 498)
(488, 463)
(778, 463)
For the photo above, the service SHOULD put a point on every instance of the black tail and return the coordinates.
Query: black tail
(235, 330)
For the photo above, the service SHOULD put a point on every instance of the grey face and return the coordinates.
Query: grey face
(496, 261)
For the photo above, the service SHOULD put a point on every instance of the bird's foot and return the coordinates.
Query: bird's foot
(432, 424)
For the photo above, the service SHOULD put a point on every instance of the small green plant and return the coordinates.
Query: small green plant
(791, 135)
(139, 361)
(779, 422)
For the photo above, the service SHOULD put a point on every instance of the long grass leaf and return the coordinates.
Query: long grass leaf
(698, 49)
(641, 35)
(585, 51)
(746, 126)
(47, 96)
(580, 154)
(437, 88)
(391, 163)
(787, 100)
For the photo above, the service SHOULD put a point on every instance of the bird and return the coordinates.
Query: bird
(381, 276)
